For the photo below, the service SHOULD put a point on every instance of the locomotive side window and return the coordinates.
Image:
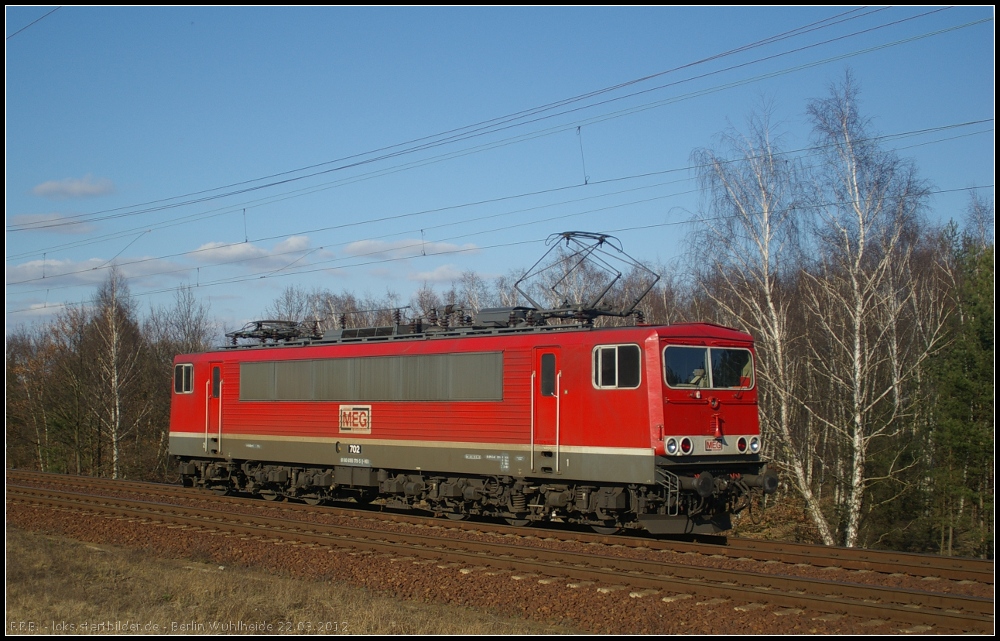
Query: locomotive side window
(216, 381)
(617, 367)
(703, 367)
(548, 375)
(183, 378)
(474, 376)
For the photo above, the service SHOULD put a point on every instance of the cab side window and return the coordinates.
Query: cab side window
(183, 378)
(617, 366)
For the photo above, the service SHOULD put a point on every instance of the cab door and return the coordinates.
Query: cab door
(213, 408)
(546, 380)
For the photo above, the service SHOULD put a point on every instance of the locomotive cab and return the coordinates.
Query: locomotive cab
(709, 457)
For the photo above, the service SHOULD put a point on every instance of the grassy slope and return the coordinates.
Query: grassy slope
(52, 581)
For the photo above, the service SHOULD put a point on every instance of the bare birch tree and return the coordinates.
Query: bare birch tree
(475, 292)
(870, 204)
(746, 255)
(31, 355)
(346, 309)
(118, 351)
(506, 295)
(291, 305)
(183, 328)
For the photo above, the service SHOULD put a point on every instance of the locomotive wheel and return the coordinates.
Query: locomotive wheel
(269, 495)
(601, 529)
(312, 500)
(220, 490)
(456, 516)
(517, 522)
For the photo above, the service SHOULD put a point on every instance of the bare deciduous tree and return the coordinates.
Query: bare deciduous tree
(183, 328)
(31, 356)
(746, 258)
(475, 292)
(869, 213)
(118, 351)
(72, 406)
(506, 295)
(291, 305)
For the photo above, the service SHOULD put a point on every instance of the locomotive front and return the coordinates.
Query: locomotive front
(709, 463)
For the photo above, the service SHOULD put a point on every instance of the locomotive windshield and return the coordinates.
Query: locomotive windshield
(705, 367)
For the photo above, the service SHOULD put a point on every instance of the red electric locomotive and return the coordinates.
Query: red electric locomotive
(508, 416)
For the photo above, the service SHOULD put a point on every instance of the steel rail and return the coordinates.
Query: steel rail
(919, 565)
(889, 562)
(956, 612)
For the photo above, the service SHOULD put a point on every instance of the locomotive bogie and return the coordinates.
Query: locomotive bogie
(699, 503)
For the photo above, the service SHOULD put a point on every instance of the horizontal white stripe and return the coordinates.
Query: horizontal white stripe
(517, 447)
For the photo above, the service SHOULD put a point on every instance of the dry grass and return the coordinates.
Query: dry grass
(53, 581)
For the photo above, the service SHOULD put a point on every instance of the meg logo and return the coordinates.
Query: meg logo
(355, 419)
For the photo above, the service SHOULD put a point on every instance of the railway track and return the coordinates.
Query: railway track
(594, 567)
(924, 566)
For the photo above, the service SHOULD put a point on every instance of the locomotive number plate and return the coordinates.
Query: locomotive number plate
(713, 446)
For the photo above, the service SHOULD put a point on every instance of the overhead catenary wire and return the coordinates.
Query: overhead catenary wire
(397, 217)
(472, 221)
(444, 252)
(201, 216)
(197, 216)
(449, 137)
(33, 22)
(438, 210)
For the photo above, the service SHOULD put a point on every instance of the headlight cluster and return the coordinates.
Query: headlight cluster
(753, 444)
(684, 445)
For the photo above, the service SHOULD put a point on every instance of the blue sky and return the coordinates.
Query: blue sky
(244, 150)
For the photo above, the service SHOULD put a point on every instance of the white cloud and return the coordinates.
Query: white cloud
(406, 248)
(226, 252)
(292, 252)
(86, 187)
(51, 222)
(292, 243)
(442, 274)
(382, 249)
(40, 274)
(34, 311)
